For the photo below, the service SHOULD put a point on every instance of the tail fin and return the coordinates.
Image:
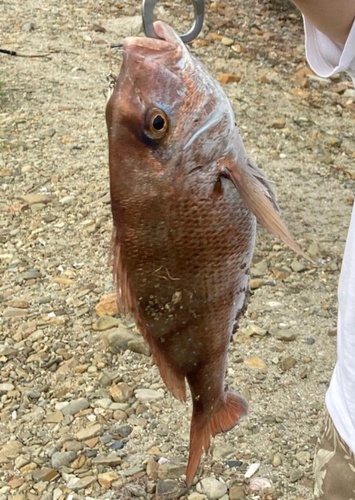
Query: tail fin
(202, 428)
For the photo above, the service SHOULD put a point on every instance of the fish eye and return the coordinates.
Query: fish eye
(156, 123)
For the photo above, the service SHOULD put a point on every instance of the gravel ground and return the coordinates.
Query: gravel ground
(83, 412)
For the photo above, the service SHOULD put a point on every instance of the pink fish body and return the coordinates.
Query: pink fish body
(184, 199)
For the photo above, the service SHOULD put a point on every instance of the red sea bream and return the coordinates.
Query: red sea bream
(185, 199)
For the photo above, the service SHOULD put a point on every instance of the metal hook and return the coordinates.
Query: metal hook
(148, 19)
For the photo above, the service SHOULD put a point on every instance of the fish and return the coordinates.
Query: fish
(185, 198)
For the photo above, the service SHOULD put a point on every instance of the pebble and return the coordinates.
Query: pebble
(237, 493)
(107, 305)
(139, 346)
(14, 312)
(227, 41)
(287, 363)
(256, 363)
(112, 460)
(285, 335)
(105, 323)
(296, 475)
(171, 471)
(77, 483)
(6, 387)
(89, 432)
(298, 266)
(75, 406)
(147, 394)
(212, 488)
(120, 393)
(62, 458)
(106, 479)
(277, 460)
(168, 490)
(124, 431)
(303, 457)
(117, 339)
(196, 496)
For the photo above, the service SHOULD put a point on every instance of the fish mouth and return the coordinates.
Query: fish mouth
(168, 42)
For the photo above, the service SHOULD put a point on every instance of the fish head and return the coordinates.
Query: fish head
(165, 109)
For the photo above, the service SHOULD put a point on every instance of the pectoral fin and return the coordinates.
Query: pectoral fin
(258, 196)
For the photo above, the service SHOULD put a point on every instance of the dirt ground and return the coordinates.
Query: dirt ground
(72, 424)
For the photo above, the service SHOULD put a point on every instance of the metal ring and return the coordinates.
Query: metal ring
(148, 20)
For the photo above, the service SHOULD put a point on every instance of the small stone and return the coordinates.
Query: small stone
(147, 394)
(89, 432)
(31, 199)
(256, 283)
(256, 363)
(110, 460)
(139, 346)
(310, 341)
(254, 330)
(46, 474)
(227, 41)
(278, 123)
(170, 470)
(288, 363)
(168, 490)
(234, 463)
(284, 335)
(62, 458)
(10, 450)
(298, 266)
(212, 488)
(296, 475)
(120, 393)
(16, 482)
(106, 479)
(14, 312)
(79, 462)
(107, 305)
(313, 249)
(50, 132)
(54, 417)
(6, 387)
(117, 339)
(196, 496)
(72, 446)
(229, 78)
(124, 431)
(75, 406)
(27, 27)
(76, 483)
(334, 142)
(303, 457)
(120, 415)
(237, 493)
(105, 323)
(277, 460)
(152, 468)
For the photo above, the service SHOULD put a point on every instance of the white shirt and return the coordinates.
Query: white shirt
(326, 58)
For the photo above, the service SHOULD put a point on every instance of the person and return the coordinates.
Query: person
(330, 48)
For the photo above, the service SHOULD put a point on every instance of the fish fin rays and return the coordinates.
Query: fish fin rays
(127, 304)
(171, 378)
(258, 196)
(125, 299)
(224, 419)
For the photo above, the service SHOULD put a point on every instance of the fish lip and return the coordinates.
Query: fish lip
(168, 40)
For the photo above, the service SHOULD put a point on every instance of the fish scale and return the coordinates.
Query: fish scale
(184, 198)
